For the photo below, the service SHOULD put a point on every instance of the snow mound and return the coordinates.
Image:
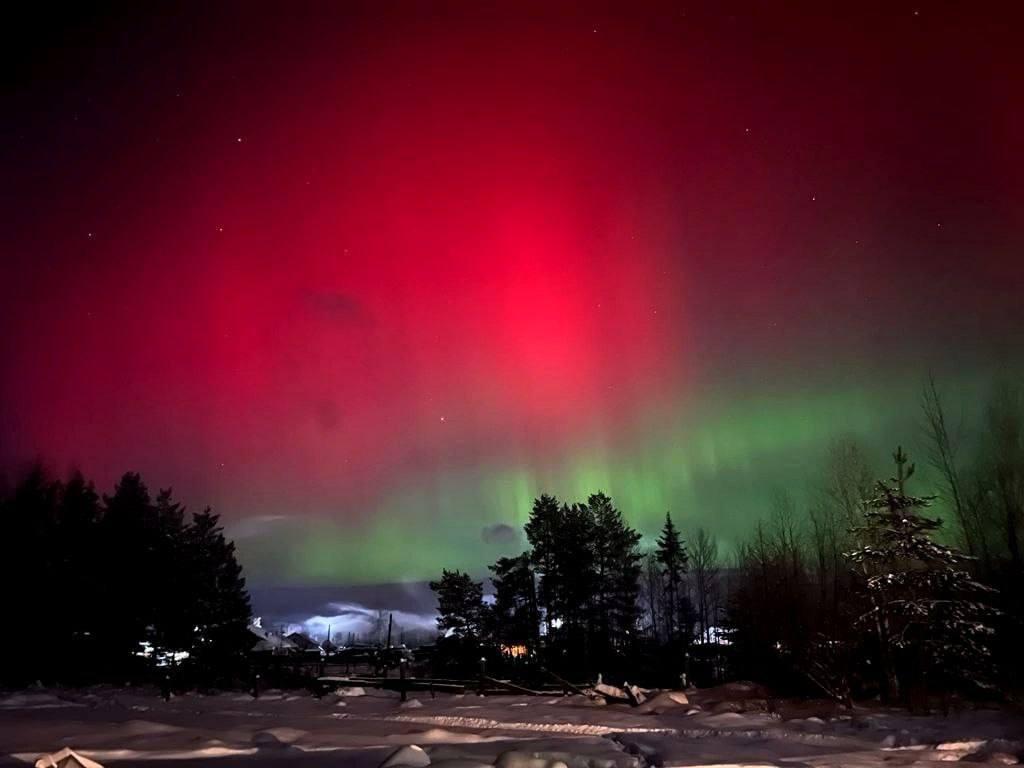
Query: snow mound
(277, 737)
(34, 701)
(997, 751)
(409, 756)
(146, 728)
(444, 736)
(999, 758)
(517, 758)
(352, 691)
(411, 704)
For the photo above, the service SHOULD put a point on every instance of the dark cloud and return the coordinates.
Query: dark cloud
(499, 533)
(328, 415)
(338, 307)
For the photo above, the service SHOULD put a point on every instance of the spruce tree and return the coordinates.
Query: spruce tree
(76, 543)
(925, 608)
(129, 546)
(219, 609)
(169, 592)
(674, 562)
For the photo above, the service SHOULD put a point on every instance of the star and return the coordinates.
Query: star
(442, 418)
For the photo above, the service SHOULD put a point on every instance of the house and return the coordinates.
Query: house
(267, 642)
(304, 644)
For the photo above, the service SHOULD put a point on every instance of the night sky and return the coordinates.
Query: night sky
(367, 278)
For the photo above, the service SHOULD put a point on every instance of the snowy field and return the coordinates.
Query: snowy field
(728, 726)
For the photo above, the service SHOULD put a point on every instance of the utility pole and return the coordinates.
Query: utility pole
(387, 649)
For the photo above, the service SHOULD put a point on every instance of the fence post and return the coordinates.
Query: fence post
(401, 678)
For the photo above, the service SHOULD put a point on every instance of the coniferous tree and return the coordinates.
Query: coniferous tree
(121, 574)
(514, 613)
(129, 539)
(172, 629)
(926, 610)
(562, 552)
(674, 561)
(29, 557)
(542, 532)
(616, 574)
(459, 604)
(77, 542)
(574, 570)
(218, 607)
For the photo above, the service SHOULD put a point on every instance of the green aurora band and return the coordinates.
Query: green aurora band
(717, 466)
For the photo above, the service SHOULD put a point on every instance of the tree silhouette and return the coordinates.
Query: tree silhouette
(925, 609)
(218, 608)
(459, 604)
(705, 569)
(119, 574)
(542, 531)
(616, 574)
(514, 614)
(674, 561)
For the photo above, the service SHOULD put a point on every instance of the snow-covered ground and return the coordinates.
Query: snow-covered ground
(720, 727)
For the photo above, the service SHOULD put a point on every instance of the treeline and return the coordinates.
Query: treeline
(584, 598)
(861, 592)
(100, 589)
(858, 591)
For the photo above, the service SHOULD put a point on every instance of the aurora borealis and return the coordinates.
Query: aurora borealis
(368, 278)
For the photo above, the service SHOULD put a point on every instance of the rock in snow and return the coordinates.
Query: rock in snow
(518, 759)
(66, 758)
(663, 702)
